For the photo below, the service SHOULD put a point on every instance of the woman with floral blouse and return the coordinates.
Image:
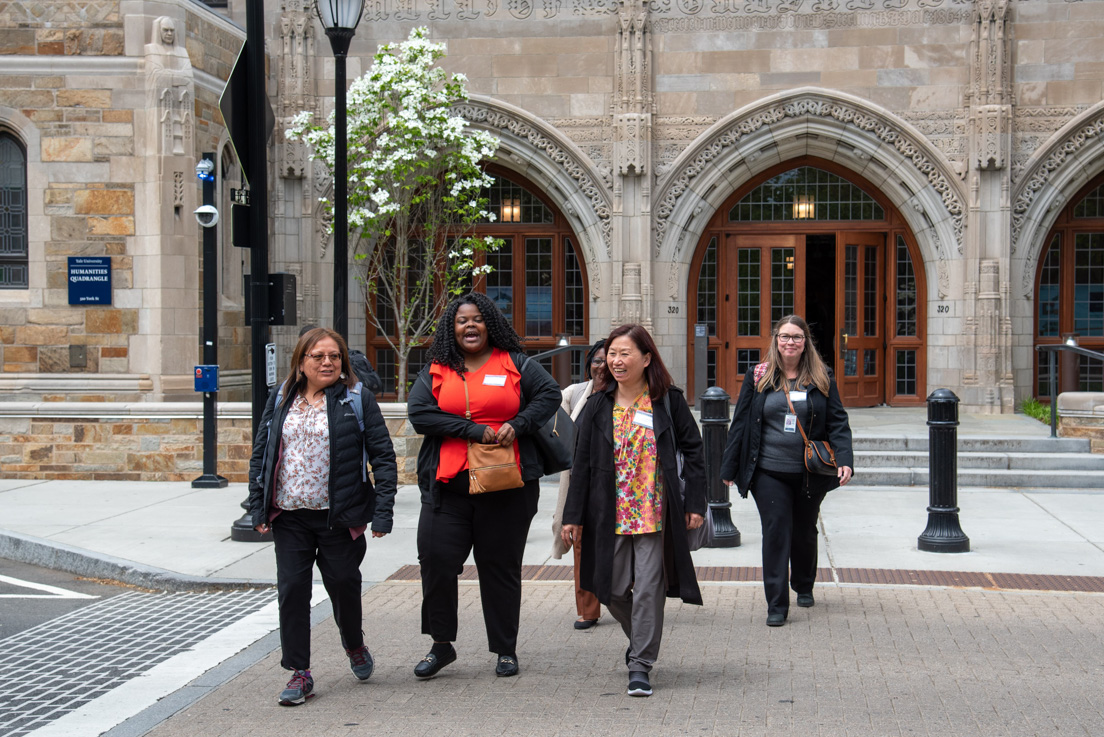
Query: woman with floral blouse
(625, 500)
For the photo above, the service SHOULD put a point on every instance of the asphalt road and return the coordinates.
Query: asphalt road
(30, 595)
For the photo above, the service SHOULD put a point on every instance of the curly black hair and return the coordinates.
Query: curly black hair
(500, 333)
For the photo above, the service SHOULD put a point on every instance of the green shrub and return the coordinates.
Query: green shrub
(1034, 408)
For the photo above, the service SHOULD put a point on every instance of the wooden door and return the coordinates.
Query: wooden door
(764, 279)
(860, 318)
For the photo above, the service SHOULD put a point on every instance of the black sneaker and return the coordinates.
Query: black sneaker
(639, 685)
(507, 666)
(298, 689)
(361, 662)
(431, 664)
(806, 600)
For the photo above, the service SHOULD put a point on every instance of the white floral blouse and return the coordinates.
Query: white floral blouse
(303, 481)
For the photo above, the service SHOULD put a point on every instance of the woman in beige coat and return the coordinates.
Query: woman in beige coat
(574, 397)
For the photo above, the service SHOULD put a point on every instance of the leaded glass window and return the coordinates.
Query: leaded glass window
(1050, 295)
(1092, 206)
(806, 193)
(782, 283)
(13, 214)
(906, 291)
(513, 204)
(707, 288)
(1088, 284)
(747, 312)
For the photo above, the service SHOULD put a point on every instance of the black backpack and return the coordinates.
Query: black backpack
(364, 371)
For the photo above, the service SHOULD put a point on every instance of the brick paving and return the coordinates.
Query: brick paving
(873, 661)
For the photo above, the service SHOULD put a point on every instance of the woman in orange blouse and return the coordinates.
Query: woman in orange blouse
(624, 500)
(510, 398)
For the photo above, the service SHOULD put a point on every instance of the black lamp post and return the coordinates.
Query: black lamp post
(340, 19)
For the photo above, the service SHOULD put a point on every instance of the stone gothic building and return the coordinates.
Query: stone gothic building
(923, 179)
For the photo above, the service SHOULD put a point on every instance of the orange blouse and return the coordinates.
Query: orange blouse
(495, 394)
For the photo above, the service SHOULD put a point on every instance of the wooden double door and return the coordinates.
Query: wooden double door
(835, 280)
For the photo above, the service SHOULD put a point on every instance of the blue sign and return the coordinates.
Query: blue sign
(89, 280)
(206, 378)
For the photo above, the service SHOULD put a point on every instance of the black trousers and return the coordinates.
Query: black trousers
(302, 537)
(494, 526)
(789, 519)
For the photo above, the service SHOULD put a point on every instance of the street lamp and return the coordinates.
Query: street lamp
(339, 19)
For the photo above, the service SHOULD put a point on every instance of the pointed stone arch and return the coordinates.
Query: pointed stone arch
(1051, 178)
(535, 149)
(859, 135)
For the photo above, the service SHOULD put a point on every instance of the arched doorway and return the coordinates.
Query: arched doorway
(811, 238)
(1069, 288)
(538, 278)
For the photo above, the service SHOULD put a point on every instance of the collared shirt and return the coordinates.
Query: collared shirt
(639, 501)
(303, 481)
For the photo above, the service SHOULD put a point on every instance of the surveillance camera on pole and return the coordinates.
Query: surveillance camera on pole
(207, 216)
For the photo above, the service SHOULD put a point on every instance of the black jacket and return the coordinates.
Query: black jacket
(354, 500)
(591, 493)
(824, 419)
(540, 398)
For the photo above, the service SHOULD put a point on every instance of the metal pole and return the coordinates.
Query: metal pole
(1052, 367)
(943, 533)
(340, 38)
(714, 420)
(210, 478)
(242, 529)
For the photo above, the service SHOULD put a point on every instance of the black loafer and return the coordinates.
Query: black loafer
(805, 600)
(507, 666)
(431, 664)
(585, 624)
(776, 620)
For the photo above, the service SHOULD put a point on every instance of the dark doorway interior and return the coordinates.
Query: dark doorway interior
(820, 293)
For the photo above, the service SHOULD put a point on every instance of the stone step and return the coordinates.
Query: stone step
(985, 460)
(985, 477)
(974, 444)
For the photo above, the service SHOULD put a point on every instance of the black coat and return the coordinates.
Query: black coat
(591, 495)
(824, 419)
(354, 499)
(540, 398)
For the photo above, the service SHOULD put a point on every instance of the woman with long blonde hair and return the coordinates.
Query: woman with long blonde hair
(784, 399)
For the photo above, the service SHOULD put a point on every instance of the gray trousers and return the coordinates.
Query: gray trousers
(638, 594)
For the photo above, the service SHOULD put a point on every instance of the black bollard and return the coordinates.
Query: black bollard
(714, 420)
(943, 534)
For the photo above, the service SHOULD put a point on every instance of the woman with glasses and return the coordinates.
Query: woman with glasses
(478, 387)
(309, 485)
(765, 455)
(587, 607)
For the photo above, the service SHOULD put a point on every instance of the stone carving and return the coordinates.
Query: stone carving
(1069, 147)
(632, 104)
(178, 189)
(296, 82)
(170, 86)
(571, 166)
(1030, 129)
(631, 302)
(811, 106)
(989, 96)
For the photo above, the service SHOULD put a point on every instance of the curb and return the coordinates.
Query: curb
(62, 557)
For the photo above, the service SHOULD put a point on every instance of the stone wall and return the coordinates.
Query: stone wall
(145, 441)
(1081, 415)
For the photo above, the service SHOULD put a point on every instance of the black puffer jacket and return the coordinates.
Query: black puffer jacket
(354, 499)
(540, 398)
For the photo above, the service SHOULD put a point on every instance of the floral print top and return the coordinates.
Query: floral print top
(639, 502)
(303, 481)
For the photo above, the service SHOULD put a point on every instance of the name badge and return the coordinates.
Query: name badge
(494, 380)
(791, 423)
(644, 419)
(797, 396)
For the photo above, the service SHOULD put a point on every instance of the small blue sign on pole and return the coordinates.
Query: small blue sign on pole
(89, 280)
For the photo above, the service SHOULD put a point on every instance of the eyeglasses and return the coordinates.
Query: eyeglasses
(320, 357)
(597, 360)
(784, 338)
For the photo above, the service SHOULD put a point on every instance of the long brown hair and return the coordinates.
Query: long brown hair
(655, 373)
(811, 368)
(296, 381)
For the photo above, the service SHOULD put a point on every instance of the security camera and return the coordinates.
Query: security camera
(207, 216)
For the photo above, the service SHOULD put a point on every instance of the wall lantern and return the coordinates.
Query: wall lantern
(804, 207)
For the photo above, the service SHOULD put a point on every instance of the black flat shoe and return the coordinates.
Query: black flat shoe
(776, 620)
(585, 624)
(805, 600)
(431, 664)
(507, 666)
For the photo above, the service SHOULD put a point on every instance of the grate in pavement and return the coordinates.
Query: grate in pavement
(883, 576)
(67, 662)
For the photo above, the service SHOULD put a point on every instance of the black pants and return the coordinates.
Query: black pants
(494, 525)
(789, 519)
(302, 537)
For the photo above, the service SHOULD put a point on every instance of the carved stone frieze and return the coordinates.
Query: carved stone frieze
(989, 96)
(1061, 151)
(1031, 127)
(563, 158)
(296, 81)
(632, 98)
(805, 107)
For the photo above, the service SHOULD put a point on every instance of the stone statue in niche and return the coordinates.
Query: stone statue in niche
(170, 86)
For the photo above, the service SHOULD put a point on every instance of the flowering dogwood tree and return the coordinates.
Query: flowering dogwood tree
(416, 189)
